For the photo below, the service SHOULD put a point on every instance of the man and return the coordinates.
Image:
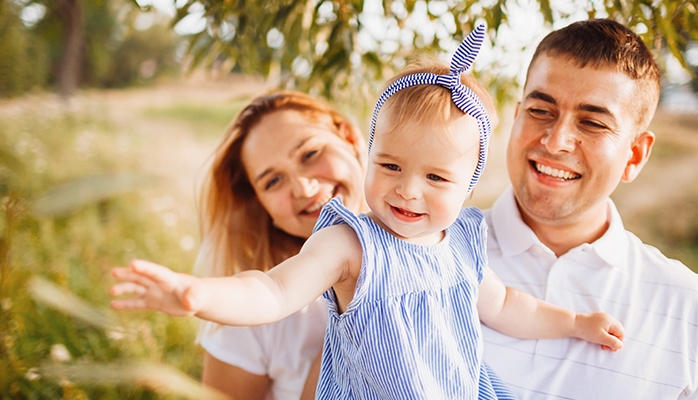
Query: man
(581, 129)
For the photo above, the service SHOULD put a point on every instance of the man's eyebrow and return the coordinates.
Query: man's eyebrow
(595, 109)
(538, 95)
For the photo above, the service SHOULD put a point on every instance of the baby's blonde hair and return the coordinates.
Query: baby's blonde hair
(430, 104)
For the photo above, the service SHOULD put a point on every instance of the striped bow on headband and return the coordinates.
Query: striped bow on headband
(462, 96)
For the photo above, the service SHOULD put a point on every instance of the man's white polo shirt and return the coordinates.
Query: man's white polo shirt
(655, 298)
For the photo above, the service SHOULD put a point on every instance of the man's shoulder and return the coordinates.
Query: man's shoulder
(660, 269)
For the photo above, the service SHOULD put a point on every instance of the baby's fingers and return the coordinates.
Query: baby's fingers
(127, 275)
(612, 343)
(134, 303)
(155, 272)
(616, 334)
(127, 288)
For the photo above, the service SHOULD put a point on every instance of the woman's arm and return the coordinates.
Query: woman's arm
(516, 313)
(235, 382)
(311, 381)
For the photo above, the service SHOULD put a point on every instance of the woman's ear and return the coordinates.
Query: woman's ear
(353, 136)
(639, 154)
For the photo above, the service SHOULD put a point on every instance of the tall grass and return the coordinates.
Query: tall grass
(75, 203)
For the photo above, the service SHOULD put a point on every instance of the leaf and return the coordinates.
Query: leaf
(63, 300)
(70, 196)
(162, 378)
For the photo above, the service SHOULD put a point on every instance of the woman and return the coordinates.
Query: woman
(282, 159)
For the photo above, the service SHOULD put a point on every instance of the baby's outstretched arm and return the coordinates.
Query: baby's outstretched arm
(157, 288)
(516, 313)
(248, 298)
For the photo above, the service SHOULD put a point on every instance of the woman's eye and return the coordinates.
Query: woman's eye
(435, 178)
(271, 183)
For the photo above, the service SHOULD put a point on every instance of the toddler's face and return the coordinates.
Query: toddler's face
(418, 176)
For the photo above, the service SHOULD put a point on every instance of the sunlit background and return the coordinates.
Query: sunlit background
(103, 142)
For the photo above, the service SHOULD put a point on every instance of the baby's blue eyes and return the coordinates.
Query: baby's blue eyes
(431, 177)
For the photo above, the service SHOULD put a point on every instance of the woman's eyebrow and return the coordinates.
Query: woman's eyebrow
(262, 175)
(295, 148)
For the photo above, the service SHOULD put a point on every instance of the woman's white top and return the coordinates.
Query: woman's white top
(283, 351)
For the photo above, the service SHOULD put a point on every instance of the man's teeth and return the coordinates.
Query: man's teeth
(555, 173)
(318, 205)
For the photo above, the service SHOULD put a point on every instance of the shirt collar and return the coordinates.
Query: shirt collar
(515, 237)
(612, 247)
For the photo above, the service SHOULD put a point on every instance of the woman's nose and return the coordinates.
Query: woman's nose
(303, 186)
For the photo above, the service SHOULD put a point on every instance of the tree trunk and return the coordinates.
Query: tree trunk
(70, 13)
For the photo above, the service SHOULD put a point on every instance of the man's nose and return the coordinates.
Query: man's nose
(560, 137)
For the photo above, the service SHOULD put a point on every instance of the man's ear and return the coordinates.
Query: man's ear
(516, 109)
(639, 154)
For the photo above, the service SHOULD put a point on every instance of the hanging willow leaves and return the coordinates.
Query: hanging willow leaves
(324, 35)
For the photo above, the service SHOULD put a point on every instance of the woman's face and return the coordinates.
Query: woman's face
(296, 164)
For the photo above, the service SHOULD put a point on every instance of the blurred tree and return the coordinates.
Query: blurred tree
(70, 43)
(23, 61)
(70, 15)
(78, 35)
(327, 46)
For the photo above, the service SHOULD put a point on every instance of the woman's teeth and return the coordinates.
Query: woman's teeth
(555, 173)
(318, 205)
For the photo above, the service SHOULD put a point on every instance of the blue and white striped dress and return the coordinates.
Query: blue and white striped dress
(412, 329)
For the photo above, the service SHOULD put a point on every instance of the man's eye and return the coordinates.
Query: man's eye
(538, 111)
(271, 183)
(309, 154)
(593, 125)
(435, 178)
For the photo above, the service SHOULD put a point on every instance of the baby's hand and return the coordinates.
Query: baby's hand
(156, 288)
(600, 328)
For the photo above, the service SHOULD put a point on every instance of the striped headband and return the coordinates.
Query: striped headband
(462, 96)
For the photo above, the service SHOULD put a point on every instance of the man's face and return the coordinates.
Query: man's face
(574, 138)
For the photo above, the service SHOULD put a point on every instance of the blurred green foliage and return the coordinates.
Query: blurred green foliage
(23, 56)
(122, 46)
(45, 153)
(342, 49)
